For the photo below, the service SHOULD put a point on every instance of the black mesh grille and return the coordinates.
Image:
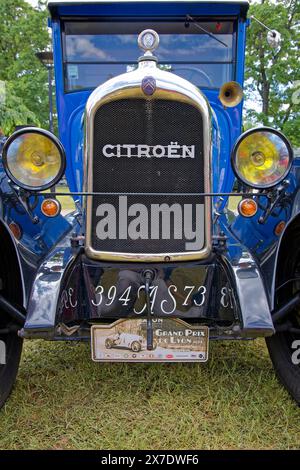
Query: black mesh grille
(152, 123)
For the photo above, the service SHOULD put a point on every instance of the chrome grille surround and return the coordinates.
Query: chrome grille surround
(168, 87)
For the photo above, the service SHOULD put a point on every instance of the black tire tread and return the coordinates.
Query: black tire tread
(279, 345)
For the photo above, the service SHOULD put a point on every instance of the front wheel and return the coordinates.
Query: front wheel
(10, 343)
(284, 346)
(10, 354)
(284, 350)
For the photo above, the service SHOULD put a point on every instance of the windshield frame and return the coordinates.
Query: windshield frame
(153, 21)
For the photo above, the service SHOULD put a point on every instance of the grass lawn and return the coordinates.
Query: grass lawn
(64, 401)
(233, 203)
(67, 202)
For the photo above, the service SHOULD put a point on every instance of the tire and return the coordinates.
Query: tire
(11, 344)
(8, 372)
(280, 351)
(283, 345)
(136, 346)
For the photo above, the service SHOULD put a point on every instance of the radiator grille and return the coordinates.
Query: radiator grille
(145, 180)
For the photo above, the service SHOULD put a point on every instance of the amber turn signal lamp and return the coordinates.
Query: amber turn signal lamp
(50, 207)
(279, 228)
(15, 230)
(247, 207)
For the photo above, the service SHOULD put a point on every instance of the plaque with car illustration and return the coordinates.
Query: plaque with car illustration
(173, 340)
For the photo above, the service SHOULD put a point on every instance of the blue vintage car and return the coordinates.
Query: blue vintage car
(186, 228)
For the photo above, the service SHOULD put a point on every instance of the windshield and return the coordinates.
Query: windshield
(97, 51)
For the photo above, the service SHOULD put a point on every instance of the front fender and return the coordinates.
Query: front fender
(37, 239)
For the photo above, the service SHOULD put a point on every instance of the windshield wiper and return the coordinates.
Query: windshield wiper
(189, 19)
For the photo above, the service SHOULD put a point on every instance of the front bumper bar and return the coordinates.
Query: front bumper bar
(68, 278)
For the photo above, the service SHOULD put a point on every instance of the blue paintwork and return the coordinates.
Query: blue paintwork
(71, 106)
(47, 244)
(149, 9)
(37, 239)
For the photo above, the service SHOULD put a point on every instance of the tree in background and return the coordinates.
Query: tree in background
(273, 76)
(23, 32)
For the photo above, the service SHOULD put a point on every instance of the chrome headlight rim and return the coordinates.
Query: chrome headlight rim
(56, 142)
(253, 131)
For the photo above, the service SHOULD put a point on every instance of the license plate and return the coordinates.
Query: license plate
(174, 340)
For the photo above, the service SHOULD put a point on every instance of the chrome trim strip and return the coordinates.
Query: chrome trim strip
(45, 295)
(171, 87)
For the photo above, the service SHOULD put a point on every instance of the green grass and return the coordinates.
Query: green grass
(67, 202)
(233, 202)
(64, 401)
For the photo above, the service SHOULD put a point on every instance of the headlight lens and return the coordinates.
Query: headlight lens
(262, 157)
(34, 159)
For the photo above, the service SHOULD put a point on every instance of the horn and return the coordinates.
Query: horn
(231, 94)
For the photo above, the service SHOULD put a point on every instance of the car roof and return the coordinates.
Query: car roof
(54, 3)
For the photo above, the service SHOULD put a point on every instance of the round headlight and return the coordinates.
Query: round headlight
(34, 159)
(262, 157)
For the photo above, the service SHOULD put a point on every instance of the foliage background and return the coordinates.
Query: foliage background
(272, 76)
(23, 32)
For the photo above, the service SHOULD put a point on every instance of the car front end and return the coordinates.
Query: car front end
(179, 214)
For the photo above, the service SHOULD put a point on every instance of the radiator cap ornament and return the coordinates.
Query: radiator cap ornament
(148, 41)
